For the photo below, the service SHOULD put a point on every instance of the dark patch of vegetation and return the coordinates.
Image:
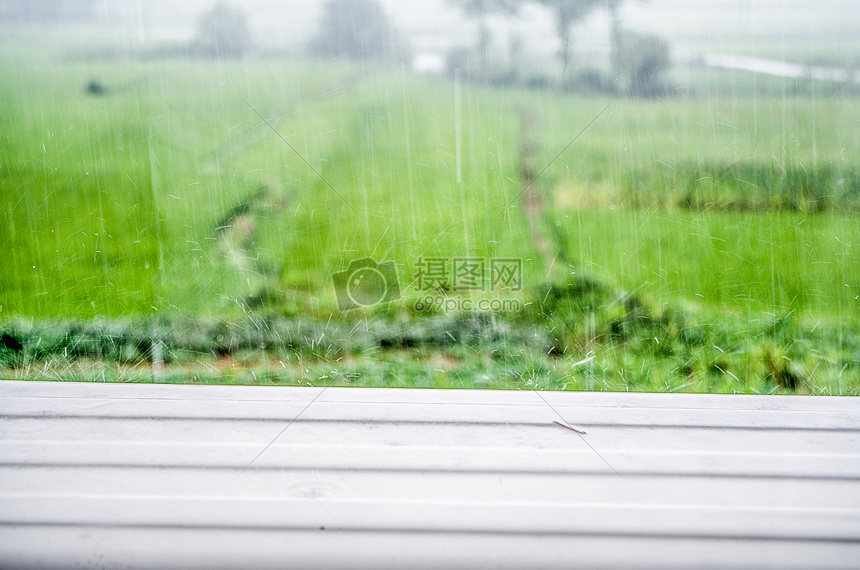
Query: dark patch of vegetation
(747, 186)
(132, 340)
(780, 369)
(585, 312)
(95, 88)
(581, 335)
(587, 316)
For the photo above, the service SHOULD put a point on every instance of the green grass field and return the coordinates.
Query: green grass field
(717, 237)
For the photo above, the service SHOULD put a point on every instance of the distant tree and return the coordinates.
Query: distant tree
(642, 60)
(357, 29)
(480, 10)
(614, 9)
(616, 30)
(567, 13)
(222, 31)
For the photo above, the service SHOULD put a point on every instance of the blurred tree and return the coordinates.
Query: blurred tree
(480, 10)
(567, 13)
(357, 29)
(642, 60)
(616, 30)
(222, 31)
(614, 9)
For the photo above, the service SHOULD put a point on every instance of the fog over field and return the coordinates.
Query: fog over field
(770, 28)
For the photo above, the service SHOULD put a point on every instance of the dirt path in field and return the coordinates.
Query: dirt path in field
(235, 239)
(235, 235)
(549, 245)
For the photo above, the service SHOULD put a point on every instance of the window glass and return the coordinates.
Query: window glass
(512, 194)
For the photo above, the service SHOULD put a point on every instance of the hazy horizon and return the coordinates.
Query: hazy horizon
(749, 27)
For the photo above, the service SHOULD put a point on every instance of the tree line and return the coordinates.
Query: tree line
(640, 60)
(360, 29)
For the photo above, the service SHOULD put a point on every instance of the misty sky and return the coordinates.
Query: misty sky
(435, 25)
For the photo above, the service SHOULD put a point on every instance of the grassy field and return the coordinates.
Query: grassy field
(693, 243)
